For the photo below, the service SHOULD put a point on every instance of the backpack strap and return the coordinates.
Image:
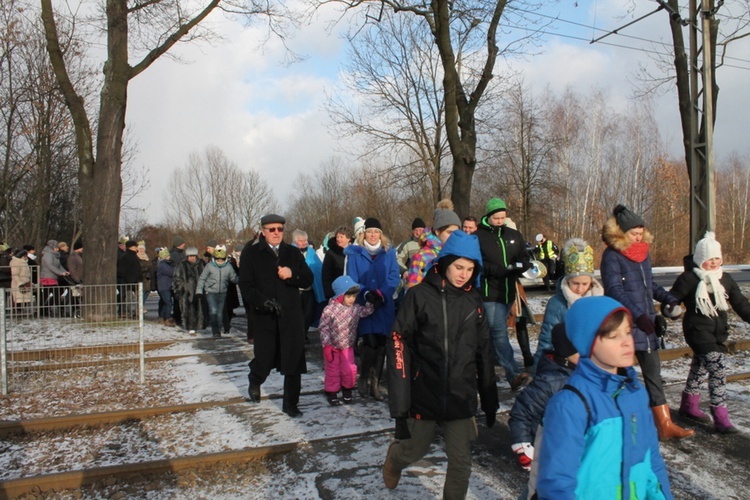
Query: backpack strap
(583, 400)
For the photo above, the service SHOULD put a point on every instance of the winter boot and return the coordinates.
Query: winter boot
(333, 398)
(290, 402)
(253, 389)
(391, 473)
(522, 335)
(216, 332)
(721, 420)
(664, 425)
(346, 395)
(690, 408)
(367, 358)
(375, 373)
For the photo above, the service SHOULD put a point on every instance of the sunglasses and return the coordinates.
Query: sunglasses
(274, 229)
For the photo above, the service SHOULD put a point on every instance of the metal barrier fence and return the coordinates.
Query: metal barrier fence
(70, 331)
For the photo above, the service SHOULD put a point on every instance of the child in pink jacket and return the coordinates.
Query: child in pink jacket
(338, 334)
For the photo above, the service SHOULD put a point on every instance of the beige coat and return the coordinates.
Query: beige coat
(20, 281)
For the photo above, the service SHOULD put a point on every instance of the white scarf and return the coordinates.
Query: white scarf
(709, 283)
(372, 249)
(596, 290)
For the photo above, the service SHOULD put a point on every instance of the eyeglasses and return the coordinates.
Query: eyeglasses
(274, 229)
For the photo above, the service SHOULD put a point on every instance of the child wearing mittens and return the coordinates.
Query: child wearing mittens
(338, 334)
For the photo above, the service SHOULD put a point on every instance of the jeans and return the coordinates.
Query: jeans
(165, 304)
(651, 372)
(215, 309)
(497, 317)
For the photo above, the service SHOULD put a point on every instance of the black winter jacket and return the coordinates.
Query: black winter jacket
(501, 247)
(440, 355)
(333, 266)
(129, 268)
(706, 334)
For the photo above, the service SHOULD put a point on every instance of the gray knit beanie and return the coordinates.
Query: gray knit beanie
(626, 219)
(444, 218)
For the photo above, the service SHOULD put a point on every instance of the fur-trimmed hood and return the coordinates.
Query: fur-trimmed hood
(615, 238)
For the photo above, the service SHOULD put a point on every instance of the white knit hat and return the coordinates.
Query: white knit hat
(707, 248)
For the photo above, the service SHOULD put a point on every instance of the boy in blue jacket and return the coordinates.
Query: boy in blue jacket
(600, 440)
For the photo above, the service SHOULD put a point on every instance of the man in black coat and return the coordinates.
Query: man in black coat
(128, 276)
(271, 274)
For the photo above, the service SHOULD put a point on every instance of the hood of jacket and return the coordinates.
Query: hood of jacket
(615, 238)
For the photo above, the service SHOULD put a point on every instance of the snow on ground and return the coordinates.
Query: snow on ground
(333, 460)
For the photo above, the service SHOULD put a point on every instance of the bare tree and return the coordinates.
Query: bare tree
(37, 171)
(465, 33)
(523, 151)
(391, 97)
(733, 182)
(143, 31)
(212, 196)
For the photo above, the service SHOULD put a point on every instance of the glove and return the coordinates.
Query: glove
(374, 297)
(525, 452)
(402, 430)
(272, 307)
(671, 310)
(644, 323)
(328, 353)
(515, 268)
(491, 417)
(198, 296)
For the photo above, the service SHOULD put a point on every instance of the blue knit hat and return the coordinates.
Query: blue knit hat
(342, 285)
(585, 317)
(460, 244)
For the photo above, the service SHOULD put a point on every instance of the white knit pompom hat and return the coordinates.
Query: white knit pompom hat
(707, 248)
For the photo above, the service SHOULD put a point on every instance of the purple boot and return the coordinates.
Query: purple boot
(690, 408)
(721, 420)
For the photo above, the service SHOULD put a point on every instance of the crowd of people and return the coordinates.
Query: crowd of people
(434, 312)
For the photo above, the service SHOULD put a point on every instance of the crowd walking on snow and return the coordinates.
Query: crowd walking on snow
(424, 324)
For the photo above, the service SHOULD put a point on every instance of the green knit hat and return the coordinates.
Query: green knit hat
(495, 205)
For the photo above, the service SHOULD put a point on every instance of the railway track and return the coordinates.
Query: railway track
(75, 479)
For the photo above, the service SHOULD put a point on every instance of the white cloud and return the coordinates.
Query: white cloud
(268, 116)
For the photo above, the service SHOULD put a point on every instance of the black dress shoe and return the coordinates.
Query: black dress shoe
(254, 392)
(293, 412)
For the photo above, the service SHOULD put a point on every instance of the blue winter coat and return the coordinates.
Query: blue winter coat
(380, 272)
(615, 455)
(631, 283)
(164, 275)
(316, 266)
(528, 410)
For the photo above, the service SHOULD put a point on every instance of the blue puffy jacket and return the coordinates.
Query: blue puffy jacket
(528, 410)
(378, 272)
(631, 283)
(615, 455)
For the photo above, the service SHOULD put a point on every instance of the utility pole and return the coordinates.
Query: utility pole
(702, 186)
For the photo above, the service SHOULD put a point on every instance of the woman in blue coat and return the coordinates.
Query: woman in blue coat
(627, 278)
(372, 263)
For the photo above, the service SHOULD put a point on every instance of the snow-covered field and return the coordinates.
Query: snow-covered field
(334, 459)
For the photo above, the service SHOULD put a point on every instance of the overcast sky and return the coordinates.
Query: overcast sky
(268, 116)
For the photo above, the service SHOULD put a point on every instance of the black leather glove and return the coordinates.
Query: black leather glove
(491, 417)
(402, 430)
(374, 297)
(515, 267)
(644, 323)
(272, 307)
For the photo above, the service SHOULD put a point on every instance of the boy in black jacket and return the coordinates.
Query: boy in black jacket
(439, 356)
